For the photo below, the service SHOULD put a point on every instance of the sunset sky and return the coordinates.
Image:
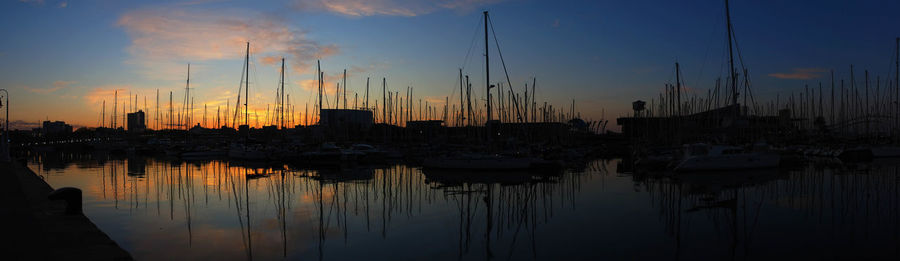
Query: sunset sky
(60, 60)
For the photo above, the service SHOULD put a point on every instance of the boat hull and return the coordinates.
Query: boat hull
(729, 162)
(478, 164)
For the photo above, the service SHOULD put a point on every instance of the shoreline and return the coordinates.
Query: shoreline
(42, 228)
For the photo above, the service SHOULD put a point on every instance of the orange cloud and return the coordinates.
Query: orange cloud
(107, 93)
(56, 86)
(163, 38)
(270, 60)
(359, 8)
(800, 74)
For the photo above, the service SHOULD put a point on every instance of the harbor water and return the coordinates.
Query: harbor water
(159, 209)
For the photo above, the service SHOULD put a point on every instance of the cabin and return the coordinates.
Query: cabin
(725, 122)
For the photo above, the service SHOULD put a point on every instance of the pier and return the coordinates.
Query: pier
(41, 230)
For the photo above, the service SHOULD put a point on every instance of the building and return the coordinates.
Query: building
(55, 128)
(730, 121)
(346, 124)
(345, 118)
(136, 121)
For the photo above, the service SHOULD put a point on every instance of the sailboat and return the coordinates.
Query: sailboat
(246, 150)
(699, 157)
(480, 161)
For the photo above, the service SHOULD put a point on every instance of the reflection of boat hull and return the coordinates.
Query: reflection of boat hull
(336, 157)
(886, 152)
(730, 162)
(447, 177)
(856, 154)
(203, 154)
(242, 153)
(488, 163)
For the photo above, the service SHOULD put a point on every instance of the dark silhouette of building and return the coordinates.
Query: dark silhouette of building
(344, 124)
(136, 122)
(55, 128)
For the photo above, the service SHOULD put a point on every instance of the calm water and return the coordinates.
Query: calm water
(161, 210)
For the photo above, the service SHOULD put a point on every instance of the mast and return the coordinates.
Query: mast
(525, 104)
(832, 97)
(461, 108)
(734, 93)
(367, 93)
(282, 93)
(319, 84)
(469, 115)
(247, 89)
(383, 100)
(487, 68)
(115, 103)
(678, 86)
(344, 86)
(187, 95)
(866, 106)
(157, 109)
(533, 105)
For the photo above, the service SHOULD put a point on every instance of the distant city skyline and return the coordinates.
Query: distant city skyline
(61, 60)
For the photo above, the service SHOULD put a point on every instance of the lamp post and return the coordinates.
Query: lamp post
(4, 144)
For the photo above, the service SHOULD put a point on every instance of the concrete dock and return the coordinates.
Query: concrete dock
(37, 228)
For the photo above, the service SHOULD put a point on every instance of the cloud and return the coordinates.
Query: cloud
(107, 93)
(56, 86)
(23, 125)
(359, 8)
(163, 39)
(354, 73)
(800, 74)
(63, 84)
(34, 2)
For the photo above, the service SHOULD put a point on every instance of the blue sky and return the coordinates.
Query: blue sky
(61, 59)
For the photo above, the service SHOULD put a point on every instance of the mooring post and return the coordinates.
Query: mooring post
(71, 195)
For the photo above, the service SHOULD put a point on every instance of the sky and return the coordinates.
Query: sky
(60, 60)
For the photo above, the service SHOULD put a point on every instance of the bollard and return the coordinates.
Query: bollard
(71, 195)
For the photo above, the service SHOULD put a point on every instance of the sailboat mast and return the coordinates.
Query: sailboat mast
(319, 85)
(383, 100)
(678, 86)
(344, 86)
(115, 103)
(734, 94)
(462, 109)
(157, 110)
(282, 93)
(367, 93)
(247, 89)
(487, 68)
(187, 95)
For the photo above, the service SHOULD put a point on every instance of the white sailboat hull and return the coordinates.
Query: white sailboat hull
(729, 162)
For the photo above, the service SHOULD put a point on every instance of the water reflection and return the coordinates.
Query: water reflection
(827, 210)
(161, 209)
